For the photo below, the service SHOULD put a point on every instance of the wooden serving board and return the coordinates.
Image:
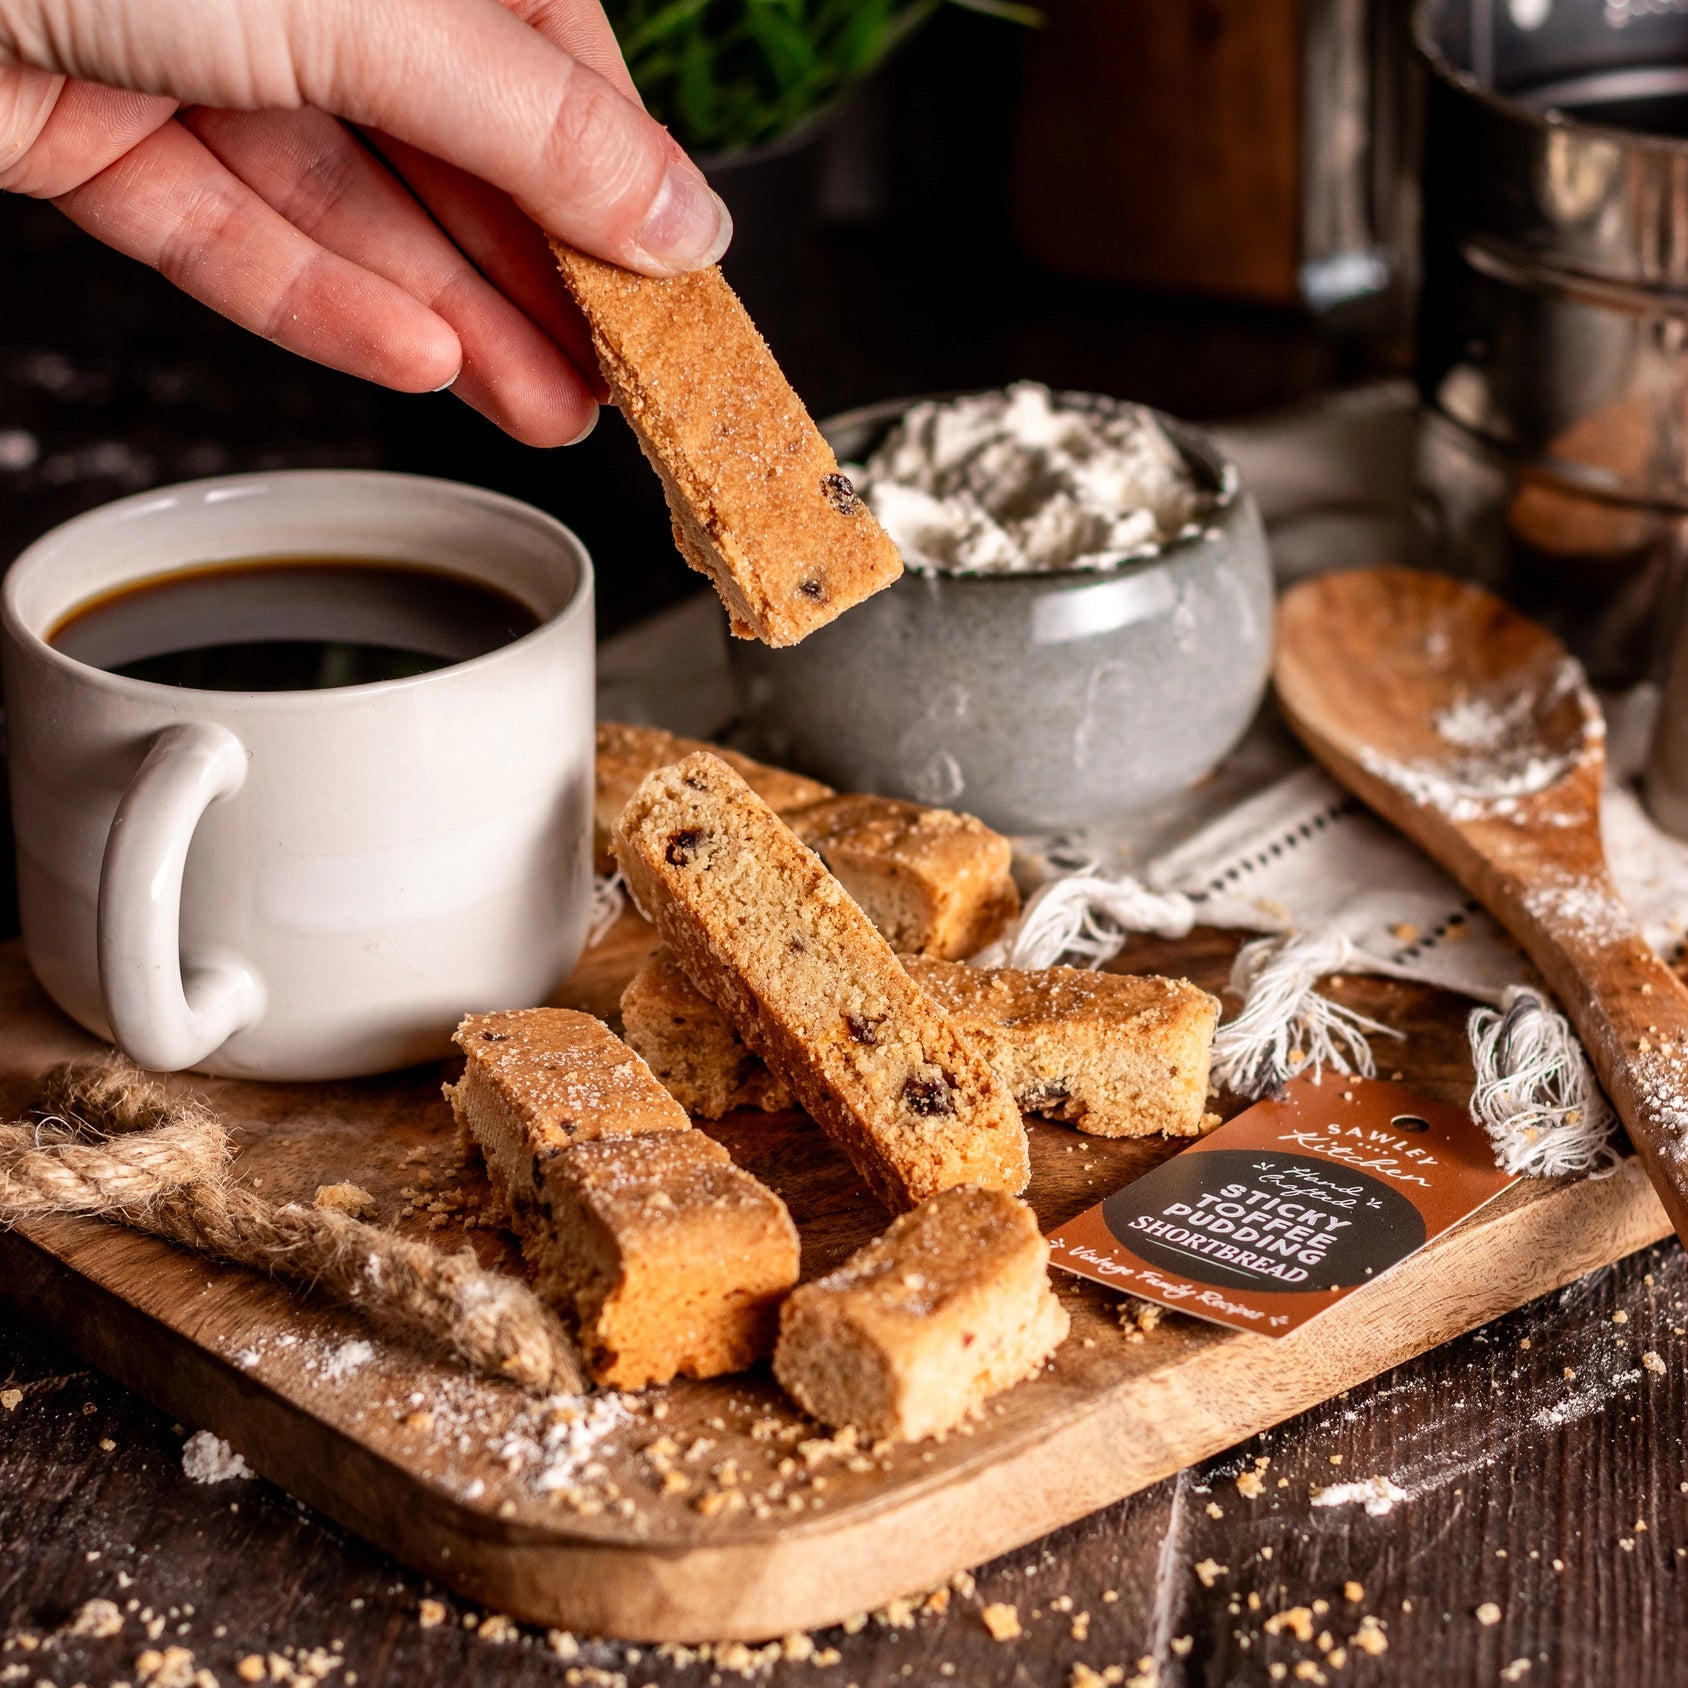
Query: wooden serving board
(577, 1520)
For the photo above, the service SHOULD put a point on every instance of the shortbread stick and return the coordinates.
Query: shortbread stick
(535, 1081)
(934, 882)
(665, 1256)
(692, 1046)
(1116, 1054)
(673, 1259)
(625, 754)
(770, 936)
(923, 1325)
(758, 503)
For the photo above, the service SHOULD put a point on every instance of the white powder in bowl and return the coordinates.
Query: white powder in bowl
(1012, 482)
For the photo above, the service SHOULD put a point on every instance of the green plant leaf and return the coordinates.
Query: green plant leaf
(1029, 17)
(650, 29)
(725, 74)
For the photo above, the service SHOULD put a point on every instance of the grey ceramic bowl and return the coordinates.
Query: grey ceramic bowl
(1038, 702)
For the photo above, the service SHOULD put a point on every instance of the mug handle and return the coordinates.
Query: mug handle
(159, 1017)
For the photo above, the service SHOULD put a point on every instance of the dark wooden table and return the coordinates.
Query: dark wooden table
(1543, 1537)
(1559, 1499)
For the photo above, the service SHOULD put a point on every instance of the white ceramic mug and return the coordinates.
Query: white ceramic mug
(311, 884)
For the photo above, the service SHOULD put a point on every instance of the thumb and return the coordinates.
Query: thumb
(468, 81)
(475, 85)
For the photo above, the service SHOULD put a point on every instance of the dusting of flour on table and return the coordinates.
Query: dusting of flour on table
(1378, 1495)
(1014, 482)
(209, 1459)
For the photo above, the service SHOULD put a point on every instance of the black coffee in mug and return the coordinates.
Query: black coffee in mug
(291, 624)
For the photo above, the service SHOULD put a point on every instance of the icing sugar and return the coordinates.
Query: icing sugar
(1012, 482)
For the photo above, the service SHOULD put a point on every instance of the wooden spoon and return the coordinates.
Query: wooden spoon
(1472, 730)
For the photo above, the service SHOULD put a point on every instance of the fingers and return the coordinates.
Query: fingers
(467, 81)
(505, 244)
(312, 171)
(171, 204)
(55, 134)
(470, 83)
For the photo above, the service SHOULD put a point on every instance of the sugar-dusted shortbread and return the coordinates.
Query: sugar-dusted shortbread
(672, 1259)
(626, 754)
(949, 1307)
(933, 882)
(758, 502)
(1117, 1055)
(666, 1257)
(536, 1080)
(692, 1046)
(771, 937)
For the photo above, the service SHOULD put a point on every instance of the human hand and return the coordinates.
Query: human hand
(358, 180)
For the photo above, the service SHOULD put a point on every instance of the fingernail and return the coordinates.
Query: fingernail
(451, 383)
(688, 226)
(586, 432)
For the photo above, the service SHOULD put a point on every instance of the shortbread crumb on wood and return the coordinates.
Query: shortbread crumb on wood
(765, 932)
(918, 1328)
(933, 881)
(757, 499)
(625, 754)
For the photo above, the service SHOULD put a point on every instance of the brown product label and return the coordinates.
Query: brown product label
(1289, 1207)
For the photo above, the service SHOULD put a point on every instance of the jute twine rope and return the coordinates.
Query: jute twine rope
(113, 1142)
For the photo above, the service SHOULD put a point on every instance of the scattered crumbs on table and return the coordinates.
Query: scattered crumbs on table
(1488, 1614)
(1082, 1676)
(1370, 1637)
(1298, 1620)
(1003, 1620)
(10, 1399)
(1209, 1571)
(97, 1618)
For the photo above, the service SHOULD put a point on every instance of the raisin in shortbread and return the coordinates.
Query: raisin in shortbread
(771, 937)
(918, 1328)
